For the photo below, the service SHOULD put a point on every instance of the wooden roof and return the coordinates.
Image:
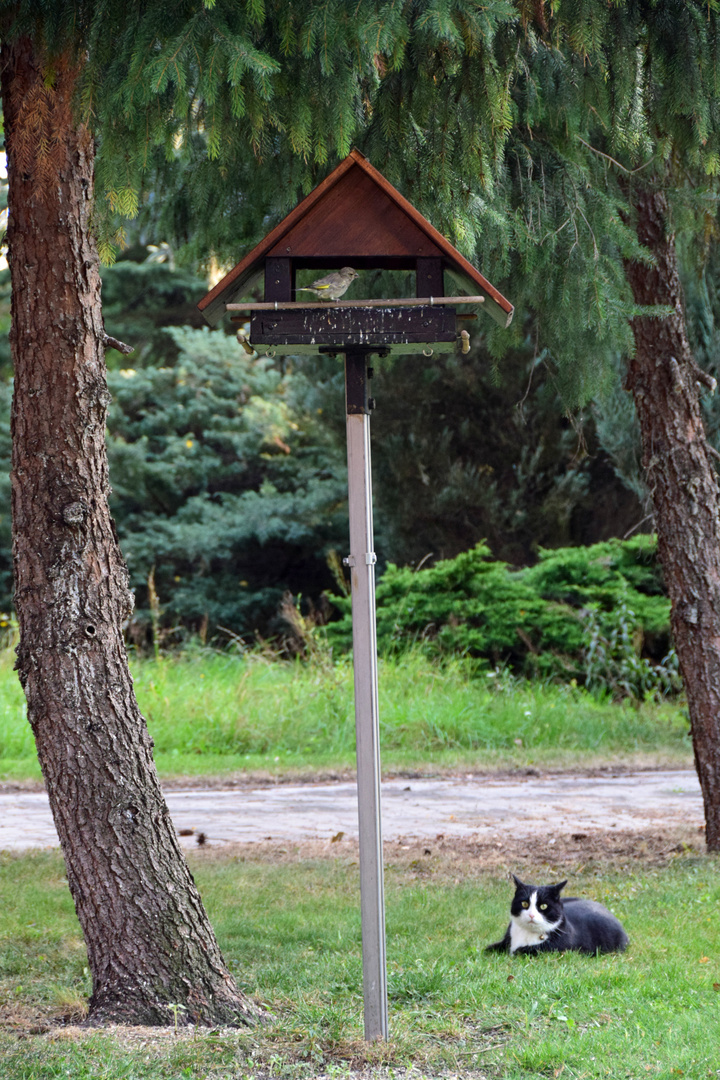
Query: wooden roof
(355, 217)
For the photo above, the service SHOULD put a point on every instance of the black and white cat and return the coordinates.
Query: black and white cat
(540, 921)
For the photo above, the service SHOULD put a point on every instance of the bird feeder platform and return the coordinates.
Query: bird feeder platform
(388, 327)
(356, 219)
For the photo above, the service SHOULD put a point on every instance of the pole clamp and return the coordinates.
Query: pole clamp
(370, 558)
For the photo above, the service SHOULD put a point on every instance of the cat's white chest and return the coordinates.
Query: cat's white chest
(530, 927)
(522, 935)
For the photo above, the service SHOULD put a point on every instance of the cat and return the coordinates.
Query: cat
(540, 921)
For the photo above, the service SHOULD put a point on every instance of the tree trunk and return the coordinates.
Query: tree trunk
(150, 945)
(666, 385)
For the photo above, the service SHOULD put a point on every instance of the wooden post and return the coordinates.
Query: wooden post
(429, 277)
(279, 279)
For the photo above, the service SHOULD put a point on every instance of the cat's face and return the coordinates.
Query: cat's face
(536, 909)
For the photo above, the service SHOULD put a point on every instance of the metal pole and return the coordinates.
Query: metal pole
(362, 568)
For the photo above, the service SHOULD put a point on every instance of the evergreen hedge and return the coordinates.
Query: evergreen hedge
(597, 614)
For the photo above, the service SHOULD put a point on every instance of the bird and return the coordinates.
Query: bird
(332, 286)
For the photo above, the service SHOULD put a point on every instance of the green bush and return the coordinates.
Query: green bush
(595, 614)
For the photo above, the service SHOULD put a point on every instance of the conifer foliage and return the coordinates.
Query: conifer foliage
(227, 485)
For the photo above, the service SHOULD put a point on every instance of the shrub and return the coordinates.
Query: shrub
(579, 613)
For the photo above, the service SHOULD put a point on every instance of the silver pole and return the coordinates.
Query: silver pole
(362, 568)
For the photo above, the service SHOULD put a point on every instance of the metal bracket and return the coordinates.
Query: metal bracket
(370, 559)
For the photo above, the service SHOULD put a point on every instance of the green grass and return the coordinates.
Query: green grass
(290, 930)
(211, 714)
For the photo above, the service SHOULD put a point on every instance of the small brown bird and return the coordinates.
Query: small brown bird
(332, 286)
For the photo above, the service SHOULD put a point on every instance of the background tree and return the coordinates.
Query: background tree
(467, 451)
(149, 941)
(624, 98)
(229, 484)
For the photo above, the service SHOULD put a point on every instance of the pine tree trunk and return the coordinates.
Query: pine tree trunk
(149, 942)
(666, 385)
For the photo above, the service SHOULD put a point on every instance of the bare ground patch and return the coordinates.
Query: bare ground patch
(448, 857)
(227, 781)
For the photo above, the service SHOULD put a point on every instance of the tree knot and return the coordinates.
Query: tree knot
(75, 513)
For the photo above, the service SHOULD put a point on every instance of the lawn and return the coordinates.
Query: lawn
(213, 713)
(288, 922)
(287, 916)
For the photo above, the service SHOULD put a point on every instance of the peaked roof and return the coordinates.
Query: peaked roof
(355, 214)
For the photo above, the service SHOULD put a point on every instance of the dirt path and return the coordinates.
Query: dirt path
(550, 808)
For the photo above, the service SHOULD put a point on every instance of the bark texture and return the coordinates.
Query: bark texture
(149, 941)
(667, 384)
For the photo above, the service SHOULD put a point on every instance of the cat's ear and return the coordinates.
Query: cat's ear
(557, 889)
(517, 881)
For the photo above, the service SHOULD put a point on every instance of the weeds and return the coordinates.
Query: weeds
(211, 713)
(613, 660)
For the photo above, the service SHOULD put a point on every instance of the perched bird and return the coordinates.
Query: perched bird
(332, 286)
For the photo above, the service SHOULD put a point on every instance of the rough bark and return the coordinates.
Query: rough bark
(150, 945)
(667, 384)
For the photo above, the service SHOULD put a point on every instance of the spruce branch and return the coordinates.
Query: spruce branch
(600, 153)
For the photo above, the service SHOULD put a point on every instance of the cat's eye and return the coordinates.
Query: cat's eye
(525, 903)
(543, 907)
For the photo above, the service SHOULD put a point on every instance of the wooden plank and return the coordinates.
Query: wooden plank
(355, 217)
(324, 305)
(353, 326)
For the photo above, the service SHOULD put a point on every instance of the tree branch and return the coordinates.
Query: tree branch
(113, 343)
(629, 172)
(704, 377)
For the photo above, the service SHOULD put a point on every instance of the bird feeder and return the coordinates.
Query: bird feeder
(356, 218)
